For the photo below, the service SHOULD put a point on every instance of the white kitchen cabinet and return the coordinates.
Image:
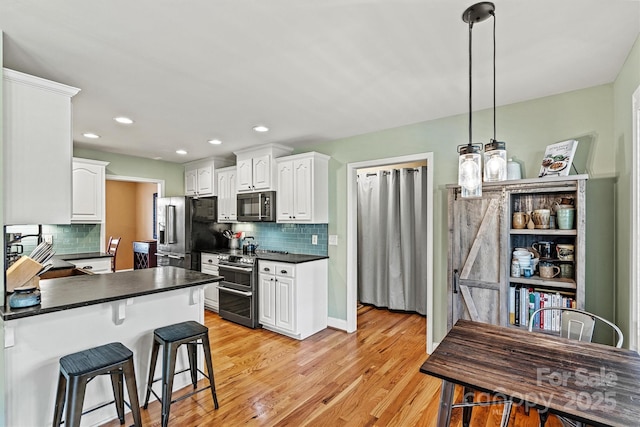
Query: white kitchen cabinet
(209, 265)
(292, 298)
(199, 179)
(37, 150)
(303, 188)
(227, 190)
(100, 265)
(256, 167)
(88, 191)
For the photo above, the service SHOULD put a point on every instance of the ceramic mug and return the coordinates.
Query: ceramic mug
(541, 218)
(565, 252)
(548, 270)
(565, 218)
(566, 271)
(520, 220)
(545, 249)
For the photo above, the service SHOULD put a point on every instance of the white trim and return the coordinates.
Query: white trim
(38, 82)
(634, 300)
(341, 324)
(352, 237)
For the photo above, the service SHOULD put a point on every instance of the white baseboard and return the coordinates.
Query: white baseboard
(340, 324)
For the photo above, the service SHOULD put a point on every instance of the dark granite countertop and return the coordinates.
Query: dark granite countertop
(84, 255)
(60, 264)
(290, 258)
(271, 256)
(79, 291)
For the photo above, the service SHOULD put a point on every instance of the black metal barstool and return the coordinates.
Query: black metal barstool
(77, 369)
(171, 337)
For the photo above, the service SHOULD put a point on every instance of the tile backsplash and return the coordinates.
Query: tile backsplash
(293, 238)
(67, 239)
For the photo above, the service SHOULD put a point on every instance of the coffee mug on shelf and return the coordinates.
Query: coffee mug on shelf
(522, 253)
(545, 249)
(565, 252)
(565, 218)
(541, 218)
(549, 270)
(527, 271)
(520, 220)
(566, 271)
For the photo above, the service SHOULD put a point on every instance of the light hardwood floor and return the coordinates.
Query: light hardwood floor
(368, 378)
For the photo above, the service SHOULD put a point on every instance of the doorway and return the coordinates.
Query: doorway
(352, 249)
(129, 213)
(391, 223)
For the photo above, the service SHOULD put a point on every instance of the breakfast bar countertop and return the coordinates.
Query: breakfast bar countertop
(79, 291)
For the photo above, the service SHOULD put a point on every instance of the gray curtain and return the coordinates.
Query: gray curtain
(392, 235)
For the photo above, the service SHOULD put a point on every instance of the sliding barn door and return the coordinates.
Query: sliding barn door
(476, 267)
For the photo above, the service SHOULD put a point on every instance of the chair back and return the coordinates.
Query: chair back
(577, 324)
(112, 248)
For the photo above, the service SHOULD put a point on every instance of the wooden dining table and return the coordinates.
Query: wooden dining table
(587, 382)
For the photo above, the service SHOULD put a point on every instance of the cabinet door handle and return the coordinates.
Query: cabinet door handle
(266, 269)
(456, 276)
(283, 271)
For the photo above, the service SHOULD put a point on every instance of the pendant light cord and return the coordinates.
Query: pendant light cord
(470, 82)
(494, 74)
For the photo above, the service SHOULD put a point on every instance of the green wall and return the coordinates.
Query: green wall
(625, 85)
(171, 173)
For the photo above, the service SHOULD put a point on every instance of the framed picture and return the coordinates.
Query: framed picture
(558, 158)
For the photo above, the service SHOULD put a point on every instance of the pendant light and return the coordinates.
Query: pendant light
(470, 158)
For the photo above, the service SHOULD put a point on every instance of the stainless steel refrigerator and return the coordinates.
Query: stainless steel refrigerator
(186, 226)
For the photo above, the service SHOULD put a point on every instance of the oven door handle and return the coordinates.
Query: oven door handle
(230, 267)
(233, 291)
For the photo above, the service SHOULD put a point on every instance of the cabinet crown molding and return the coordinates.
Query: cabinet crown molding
(38, 82)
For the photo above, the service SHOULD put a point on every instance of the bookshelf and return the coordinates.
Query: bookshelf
(482, 241)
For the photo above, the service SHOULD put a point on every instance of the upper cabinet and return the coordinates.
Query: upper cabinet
(37, 150)
(256, 168)
(303, 188)
(88, 191)
(227, 190)
(199, 179)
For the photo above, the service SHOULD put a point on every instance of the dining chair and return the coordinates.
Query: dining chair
(112, 248)
(575, 325)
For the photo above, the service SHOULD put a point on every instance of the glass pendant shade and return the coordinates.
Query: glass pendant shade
(495, 161)
(470, 171)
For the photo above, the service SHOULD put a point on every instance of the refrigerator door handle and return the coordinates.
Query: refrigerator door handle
(176, 257)
(171, 224)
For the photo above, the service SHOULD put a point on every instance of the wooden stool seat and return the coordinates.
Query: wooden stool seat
(170, 338)
(77, 369)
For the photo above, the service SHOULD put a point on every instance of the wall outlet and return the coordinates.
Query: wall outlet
(314, 239)
(48, 238)
(333, 240)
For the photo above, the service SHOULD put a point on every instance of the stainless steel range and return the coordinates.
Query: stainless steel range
(238, 296)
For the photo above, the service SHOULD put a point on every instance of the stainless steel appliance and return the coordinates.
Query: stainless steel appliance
(186, 227)
(238, 292)
(257, 207)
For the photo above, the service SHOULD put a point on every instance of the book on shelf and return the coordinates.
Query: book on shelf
(524, 301)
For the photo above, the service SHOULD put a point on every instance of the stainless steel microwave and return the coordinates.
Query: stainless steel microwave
(257, 207)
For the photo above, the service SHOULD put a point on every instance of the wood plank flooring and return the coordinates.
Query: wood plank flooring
(368, 378)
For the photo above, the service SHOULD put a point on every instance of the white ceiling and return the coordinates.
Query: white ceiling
(311, 70)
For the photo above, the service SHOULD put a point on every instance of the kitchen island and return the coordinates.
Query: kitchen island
(80, 312)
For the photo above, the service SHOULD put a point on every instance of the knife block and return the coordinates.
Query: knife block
(23, 272)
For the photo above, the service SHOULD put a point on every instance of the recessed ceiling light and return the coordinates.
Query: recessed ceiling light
(123, 120)
(215, 141)
(261, 128)
(91, 135)
(181, 152)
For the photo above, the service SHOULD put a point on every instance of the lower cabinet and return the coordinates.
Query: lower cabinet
(292, 298)
(209, 265)
(95, 265)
